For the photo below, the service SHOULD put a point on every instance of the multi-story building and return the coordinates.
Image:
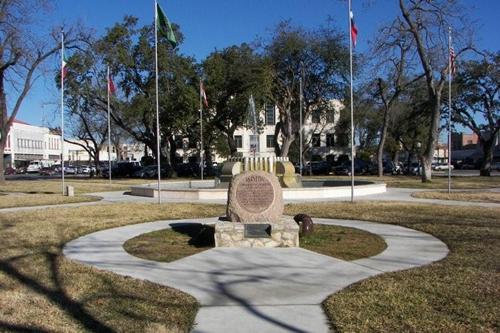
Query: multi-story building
(318, 136)
(26, 143)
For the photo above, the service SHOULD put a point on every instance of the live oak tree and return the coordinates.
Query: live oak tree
(321, 56)
(477, 104)
(231, 76)
(129, 51)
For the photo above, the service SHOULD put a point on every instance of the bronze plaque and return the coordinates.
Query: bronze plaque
(257, 230)
(255, 194)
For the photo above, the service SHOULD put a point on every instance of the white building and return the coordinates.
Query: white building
(318, 135)
(26, 143)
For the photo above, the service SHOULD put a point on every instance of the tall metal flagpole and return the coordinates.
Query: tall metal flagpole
(300, 114)
(201, 132)
(62, 110)
(449, 108)
(352, 107)
(109, 130)
(158, 139)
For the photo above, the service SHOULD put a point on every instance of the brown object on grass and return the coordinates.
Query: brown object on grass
(306, 224)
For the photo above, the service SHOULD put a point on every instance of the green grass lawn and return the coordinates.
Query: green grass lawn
(172, 244)
(461, 293)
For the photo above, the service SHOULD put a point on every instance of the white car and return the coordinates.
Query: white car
(442, 167)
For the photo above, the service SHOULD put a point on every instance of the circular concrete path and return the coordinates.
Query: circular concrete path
(258, 290)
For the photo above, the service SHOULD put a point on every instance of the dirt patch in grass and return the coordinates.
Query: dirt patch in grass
(43, 291)
(184, 240)
(493, 197)
(27, 200)
(460, 293)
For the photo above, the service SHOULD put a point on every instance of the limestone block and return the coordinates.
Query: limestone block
(255, 197)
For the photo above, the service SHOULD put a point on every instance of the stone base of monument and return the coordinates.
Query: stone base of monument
(282, 234)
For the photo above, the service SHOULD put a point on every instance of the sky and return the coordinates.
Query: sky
(216, 24)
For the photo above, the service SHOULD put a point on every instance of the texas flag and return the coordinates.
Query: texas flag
(354, 30)
(203, 95)
(111, 85)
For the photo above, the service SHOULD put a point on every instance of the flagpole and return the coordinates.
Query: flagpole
(449, 108)
(62, 110)
(157, 104)
(109, 131)
(201, 133)
(300, 114)
(352, 107)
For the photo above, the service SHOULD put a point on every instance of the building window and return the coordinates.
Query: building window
(270, 141)
(316, 140)
(330, 116)
(316, 115)
(270, 115)
(330, 140)
(238, 140)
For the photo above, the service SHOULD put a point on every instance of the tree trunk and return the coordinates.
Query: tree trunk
(231, 142)
(487, 156)
(285, 147)
(432, 139)
(2, 150)
(380, 150)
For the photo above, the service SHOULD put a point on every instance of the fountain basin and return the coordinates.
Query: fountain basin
(312, 190)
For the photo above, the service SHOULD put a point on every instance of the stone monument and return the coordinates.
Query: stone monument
(254, 214)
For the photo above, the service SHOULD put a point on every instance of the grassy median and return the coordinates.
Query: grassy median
(461, 293)
(27, 200)
(44, 292)
(438, 182)
(474, 196)
(82, 185)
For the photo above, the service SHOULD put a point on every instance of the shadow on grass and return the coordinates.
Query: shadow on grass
(201, 235)
(56, 294)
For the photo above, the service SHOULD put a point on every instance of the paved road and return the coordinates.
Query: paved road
(258, 290)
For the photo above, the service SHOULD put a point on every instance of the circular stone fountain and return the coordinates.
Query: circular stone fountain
(294, 188)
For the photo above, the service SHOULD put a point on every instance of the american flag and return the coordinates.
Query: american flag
(452, 61)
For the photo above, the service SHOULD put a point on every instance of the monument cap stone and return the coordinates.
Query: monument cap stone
(255, 197)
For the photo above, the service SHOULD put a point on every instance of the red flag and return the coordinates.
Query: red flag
(111, 85)
(354, 30)
(203, 95)
(453, 67)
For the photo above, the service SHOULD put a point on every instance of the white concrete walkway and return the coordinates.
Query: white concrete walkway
(258, 290)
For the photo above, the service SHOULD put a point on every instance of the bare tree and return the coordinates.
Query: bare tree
(21, 55)
(427, 23)
(394, 49)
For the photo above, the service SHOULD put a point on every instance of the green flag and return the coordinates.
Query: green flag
(164, 26)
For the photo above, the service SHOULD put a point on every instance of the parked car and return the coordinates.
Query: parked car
(441, 167)
(9, 171)
(70, 170)
(360, 167)
(319, 168)
(47, 171)
(414, 169)
(122, 169)
(151, 171)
